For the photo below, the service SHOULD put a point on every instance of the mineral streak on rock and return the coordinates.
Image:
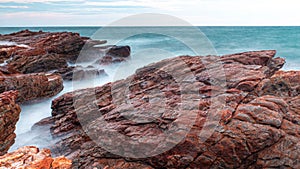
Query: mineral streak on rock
(31, 157)
(9, 116)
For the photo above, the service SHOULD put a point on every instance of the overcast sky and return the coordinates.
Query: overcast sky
(103, 12)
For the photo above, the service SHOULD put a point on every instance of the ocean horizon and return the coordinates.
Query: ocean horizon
(224, 39)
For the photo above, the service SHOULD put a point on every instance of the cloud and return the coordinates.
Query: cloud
(43, 1)
(57, 19)
(14, 7)
(197, 12)
(73, 7)
(154, 4)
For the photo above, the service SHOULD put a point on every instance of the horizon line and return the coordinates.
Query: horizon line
(32, 26)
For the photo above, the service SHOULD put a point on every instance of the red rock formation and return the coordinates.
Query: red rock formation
(39, 43)
(31, 86)
(9, 116)
(185, 112)
(7, 51)
(282, 84)
(45, 51)
(32, 158)
(35, 63)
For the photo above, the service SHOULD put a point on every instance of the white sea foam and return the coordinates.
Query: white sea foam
(9, 43)
(33, 112)
(5, 62)
(23, 46)
(291, 66)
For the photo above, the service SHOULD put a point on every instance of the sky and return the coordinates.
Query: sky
(103, 12)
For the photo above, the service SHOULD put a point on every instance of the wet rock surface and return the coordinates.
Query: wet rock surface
(9, 116)
(234, 111)
(33, 157)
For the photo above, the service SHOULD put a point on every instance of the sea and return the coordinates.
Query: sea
(225, 40)
(151, 44)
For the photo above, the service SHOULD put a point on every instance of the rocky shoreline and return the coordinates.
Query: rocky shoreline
(232, 111)
(33, 67)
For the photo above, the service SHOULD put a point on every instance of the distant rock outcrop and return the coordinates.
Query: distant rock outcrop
(65, 45)
(119, 51)
(31, 157)
(9, 116)
(35, 52)
(234, 111)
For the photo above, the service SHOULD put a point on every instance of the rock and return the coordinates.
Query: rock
(61, 163)
(113, 54)
(119, 51)
(281, 84)
(286, 86)
(65, 44)
(31, 86)
(79, 72)
(9, 116)
(185, 112)
(38, 63)
(35, 52)
(6, 52)
(107, 60)
(7, 70)
(41, 51)
(119, 163)
(32, 157)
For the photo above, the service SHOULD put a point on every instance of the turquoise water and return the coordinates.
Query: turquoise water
(225, 40)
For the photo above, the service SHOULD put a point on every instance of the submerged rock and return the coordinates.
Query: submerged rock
(32, 157)
(185, 112)
(79, 72)
(9, 116)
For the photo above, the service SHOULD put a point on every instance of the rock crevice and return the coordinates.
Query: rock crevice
(242, 113)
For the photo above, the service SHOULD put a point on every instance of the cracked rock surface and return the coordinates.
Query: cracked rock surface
(233, 111)
(31, 157)
(9, 116)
